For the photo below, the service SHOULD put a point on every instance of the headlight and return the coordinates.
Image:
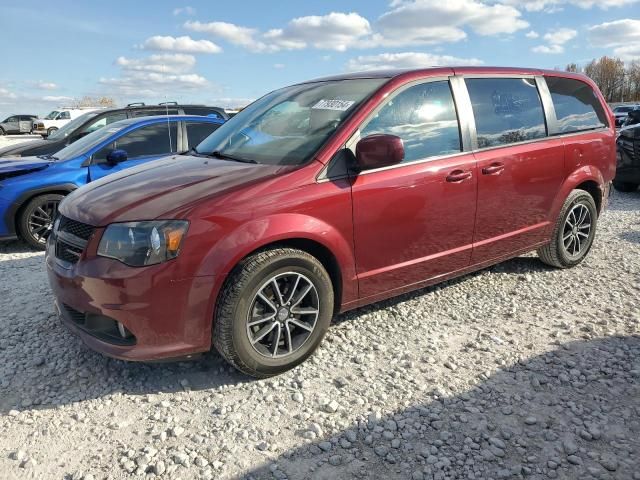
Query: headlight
(138, 244)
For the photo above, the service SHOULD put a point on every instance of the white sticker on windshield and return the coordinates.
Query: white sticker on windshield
(340, 105)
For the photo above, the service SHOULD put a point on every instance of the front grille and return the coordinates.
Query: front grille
(71, 238)
(103, 328)
(79, 229)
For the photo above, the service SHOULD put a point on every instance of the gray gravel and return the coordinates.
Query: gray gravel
(518, 371)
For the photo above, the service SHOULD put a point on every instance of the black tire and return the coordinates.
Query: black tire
(237, 300)
(51, 130)
(2, 132)
(556, 253)
(625, 186)
(32, 214)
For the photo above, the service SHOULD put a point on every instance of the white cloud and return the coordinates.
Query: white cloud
(556, 39)
(407, 22)
(152, 84)
(278, 65)
(406, 60)
(184, 10)
(46, 85)
(234, 34)
(550, 49)
(552, 6)
(532, 34)
(335, 31)
(413, 22)
(6, 95)
(183, 44)
(165, 63)
(621, 35)
(560, 36)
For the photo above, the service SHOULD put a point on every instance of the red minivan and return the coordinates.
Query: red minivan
(325, 196)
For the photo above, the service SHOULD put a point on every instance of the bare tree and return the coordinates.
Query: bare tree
(88, 101)
(609, 74)
(572, 67)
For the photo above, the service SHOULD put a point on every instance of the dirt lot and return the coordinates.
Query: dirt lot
(519, 371)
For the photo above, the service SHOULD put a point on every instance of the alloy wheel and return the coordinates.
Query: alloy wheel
(283, 314)
(577, 228)
(41, 221)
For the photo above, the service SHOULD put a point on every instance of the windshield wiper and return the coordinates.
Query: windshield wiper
(224, 156)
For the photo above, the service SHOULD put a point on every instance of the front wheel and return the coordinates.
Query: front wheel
(2, 132)
(625, 186)
(573, 233)
(36, 220)
(50, 131)
(273, 312)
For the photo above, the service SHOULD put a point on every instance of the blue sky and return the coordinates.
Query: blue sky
(230, 52)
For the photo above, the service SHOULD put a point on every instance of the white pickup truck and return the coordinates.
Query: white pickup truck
(57, 118)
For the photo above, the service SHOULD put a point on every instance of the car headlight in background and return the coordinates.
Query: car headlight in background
(139, 244)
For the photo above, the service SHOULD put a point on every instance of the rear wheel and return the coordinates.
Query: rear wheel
(36, 220)
(273, 312)
(573, 233)
(625, 186)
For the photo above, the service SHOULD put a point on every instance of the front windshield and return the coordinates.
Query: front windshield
(288, 126)
(85, 144)
(623, 109)
(52, 115)
(71, 126)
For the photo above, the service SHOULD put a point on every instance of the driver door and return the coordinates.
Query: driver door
(143, 144)
(414, 221)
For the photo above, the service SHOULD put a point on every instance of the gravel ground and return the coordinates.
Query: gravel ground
(518, 371)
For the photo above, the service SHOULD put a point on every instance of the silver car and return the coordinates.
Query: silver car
(17, 124)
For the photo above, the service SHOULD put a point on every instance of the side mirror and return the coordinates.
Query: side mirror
(379, 150)
(116, 156)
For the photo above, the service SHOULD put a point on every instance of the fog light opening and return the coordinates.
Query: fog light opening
(124, 333)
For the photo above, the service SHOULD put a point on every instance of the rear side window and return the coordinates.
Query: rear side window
(506, 110)
(198, 131)
(203, 111)
(577, 107)
(424, 117)
(64, 116)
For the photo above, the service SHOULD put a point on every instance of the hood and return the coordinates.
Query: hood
(31, 147)
(159, 187)
(13, 167)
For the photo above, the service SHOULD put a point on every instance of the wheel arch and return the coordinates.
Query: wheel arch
(587, 178)
(16, 208)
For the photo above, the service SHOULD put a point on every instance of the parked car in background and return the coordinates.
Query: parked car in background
(57, 119)
(17, 124)
(94, 120)
(32, 188)
(633, 118)
(621, 111)
(628, 144)
(326, 196)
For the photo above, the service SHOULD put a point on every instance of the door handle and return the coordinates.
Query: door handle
(493, 169)
(458, 176)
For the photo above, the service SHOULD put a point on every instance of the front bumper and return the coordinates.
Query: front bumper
(169, 316)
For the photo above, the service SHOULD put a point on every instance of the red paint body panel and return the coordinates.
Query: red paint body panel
(390, 230)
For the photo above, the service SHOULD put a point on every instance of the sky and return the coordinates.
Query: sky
(229, 53)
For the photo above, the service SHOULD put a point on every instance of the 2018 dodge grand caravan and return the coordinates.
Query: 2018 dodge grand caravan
(328, 195)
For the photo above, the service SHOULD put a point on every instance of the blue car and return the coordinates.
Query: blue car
(31, 188)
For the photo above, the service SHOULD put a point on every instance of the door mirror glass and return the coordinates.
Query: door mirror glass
(116, 156)
(379, 150)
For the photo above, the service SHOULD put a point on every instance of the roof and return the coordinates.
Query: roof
(435, 70)
(158, 118)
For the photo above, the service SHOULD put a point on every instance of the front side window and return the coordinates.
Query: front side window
(156, 139)
(288, 126)
(52, 115)
(576, 104)
(424, 117)
(506, 110)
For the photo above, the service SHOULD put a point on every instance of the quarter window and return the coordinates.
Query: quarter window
(576, 104)
(198, 131)
(424, 117)
(506, 110)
